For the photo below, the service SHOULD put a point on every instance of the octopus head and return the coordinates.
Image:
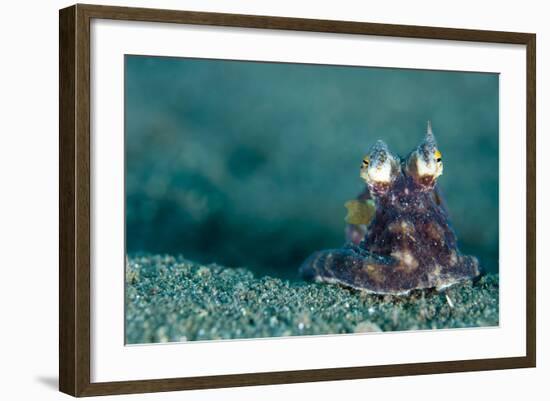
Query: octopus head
(425, 163)
(380, 168)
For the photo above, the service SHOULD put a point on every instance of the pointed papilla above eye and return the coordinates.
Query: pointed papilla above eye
(430, 137)
(428, 147)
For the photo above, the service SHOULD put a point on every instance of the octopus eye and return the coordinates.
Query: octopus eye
(365, 163)
(437, 156)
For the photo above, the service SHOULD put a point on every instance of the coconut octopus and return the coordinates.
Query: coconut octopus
(398, 237)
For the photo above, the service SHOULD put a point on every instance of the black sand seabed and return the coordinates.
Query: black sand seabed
(173, 299)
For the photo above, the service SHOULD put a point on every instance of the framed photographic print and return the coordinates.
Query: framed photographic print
(305, 200)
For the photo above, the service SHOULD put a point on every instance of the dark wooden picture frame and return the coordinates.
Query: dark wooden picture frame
(74, 199)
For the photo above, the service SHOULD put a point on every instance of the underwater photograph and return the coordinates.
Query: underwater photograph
(268, 199)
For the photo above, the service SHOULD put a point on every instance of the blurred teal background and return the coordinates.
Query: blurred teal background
(250, 164)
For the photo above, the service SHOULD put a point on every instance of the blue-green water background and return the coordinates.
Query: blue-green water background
(250, 164)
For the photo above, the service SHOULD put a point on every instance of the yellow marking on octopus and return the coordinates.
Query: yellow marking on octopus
(453, 258)
(435, 231)
(360, 212)
(408, 261)
(374, 272)
(402, 226)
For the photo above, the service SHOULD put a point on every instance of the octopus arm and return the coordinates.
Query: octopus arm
(351, 266)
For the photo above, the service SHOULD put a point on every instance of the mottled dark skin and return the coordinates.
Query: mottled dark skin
(409, 244)
(355, 233)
